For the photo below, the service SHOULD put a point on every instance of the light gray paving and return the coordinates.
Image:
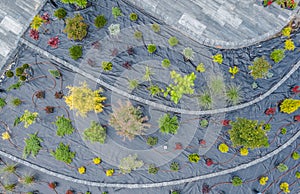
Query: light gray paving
(220, 23)
(15, 17)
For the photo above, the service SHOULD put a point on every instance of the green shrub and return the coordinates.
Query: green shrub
(286, 31)
(248, 133)
(133, 16)
(297, 175)
(188, 53)
(130, 163)
(267, 127)
(25, 66)
(283, 131)
(138, 35)
(2, 103)
(63, 153)
(79, 3)
(154, 90)
(260, 68)
(204, 123)
(277, 55)
(151, 48)
(233, 94)
(95, 133)
(9, 73)
(155, 27)
(166, 63)
(100, 21)
(76, 29)
(295, 155)
(173, 41)
(282, 167)
(116, 12)
(55, 73)
(168, 124)
(37, 22)
(153, 169)
(15, 86)
(28, 118)
(205, 100)
(194, 158)
(19, 71)
(128, 120)
(174, 166)
(218, 58)
(32, 145)
(236, 181)
(107, 66)
(22, 78)
(152, 141)
(16, 102)
(60, 13)
(75, 52)
(64, 126)
(175, 192)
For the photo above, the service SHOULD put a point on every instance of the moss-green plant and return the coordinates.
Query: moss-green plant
(130, 163)
(277, 55)
(64, 126)
(95, 133)
(174, 166)
(182, 85)
(2, 103)
(200, 68)
(295, 156)
(63, 153)
(128, 120)
(36, 22)
(151, 48)
(133, 84)
(116, 12)
(248, 133)
(79, 3)
(205, 100)
(289, 45)
(289, 105)
(60, 13)
(28, 118)
(233, 94)
(236, 181)
(16, 102)
(75, 28)
(83, 100)
(55, 73)
(75, 52)
(152, 169)
(9, 73)
(154, 90)
(32, 145)
(260, 68)
(166, 63)
(173, 41)
(152, 141)
(155, 27)
(286, 31)
(194, 158)
(218, 58)
(168, 124)
(133, 16)
(100, 21)
(107, 66)
(138, 35)
(188, 53)
(282, 167)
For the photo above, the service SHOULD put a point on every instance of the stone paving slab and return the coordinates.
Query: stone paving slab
(220, 23)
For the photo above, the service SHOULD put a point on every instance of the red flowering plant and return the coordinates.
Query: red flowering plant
(53, 42)
(46, 18)
(270, 111)
(286, 4)
(297, 118)
(225, 122)
(296, 89)
(267, 2)
(34, 34)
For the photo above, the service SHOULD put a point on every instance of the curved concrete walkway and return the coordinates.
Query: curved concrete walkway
(220, 23)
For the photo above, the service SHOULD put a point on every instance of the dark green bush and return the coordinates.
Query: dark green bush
(63, 153)
(75, 52)
(16, 102)
(153, 169)
(152, 141)
(133, 16)
(22, 78)
(151, 48)
(60, 13)
(174, 166)
(9, 73)
(100, 21)
(25, 66)
(19, 71)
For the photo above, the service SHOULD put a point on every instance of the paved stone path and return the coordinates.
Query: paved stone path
(220, 23)
(15, 17)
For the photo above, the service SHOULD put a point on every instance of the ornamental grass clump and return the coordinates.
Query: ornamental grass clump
(248, 133)
(76, 29)
(260, 68)
(128, 120)
(233, 94)
(95, 133)
(168, 124)
(130, 163)
(289, 105)
(64, 126)
(63, 153)
(205, 100)
(2, 103)
(83, 100)
(174, 166)
(32, 145)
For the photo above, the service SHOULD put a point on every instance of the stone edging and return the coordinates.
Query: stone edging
(154, 104)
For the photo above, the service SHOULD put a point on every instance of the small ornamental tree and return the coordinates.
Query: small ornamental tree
(128, 120)
(82, 99)
(76, 29)
(289, 105)
(248, 133)
(63, 153)
(168, 124)
(130, 163)
(95, 133)
(260, 68)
